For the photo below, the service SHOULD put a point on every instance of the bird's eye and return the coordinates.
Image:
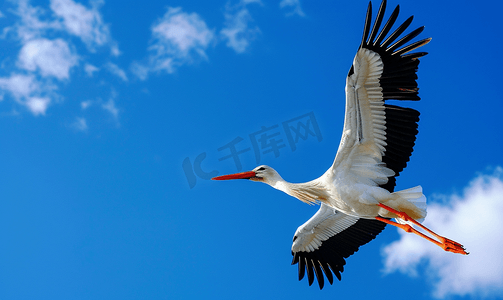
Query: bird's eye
(261, 169)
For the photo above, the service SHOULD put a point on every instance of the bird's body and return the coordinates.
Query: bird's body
(357, 193)
(348, 192)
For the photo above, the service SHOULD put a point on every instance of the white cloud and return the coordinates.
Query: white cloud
(20, 85)
(237, 30)
(295, 5)
(52, 58)
(90, 69)
(140, 70)
(28, 91)
(180, 32)
(80, 124)
(47, 54)
(178, 38)
(114, 69)
(473, 219)
(111, 108)
(73, 18)
(85, 104)
(38, 105)
(87, 24)
(36, 54)
(114, 50)
(31, 26)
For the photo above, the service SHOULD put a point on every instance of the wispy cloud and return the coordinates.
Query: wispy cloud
(111, 108)
(178, 38)
(85, 23)
(238, 31)
(141, 70)
(47, 54)
(90, 69)
(85, 104)
(33, 22)
(19, 85)
(49, 36)
(100, 106)
(474, 219)
(114, 69)
(40, 60)
(28, 91)
(294, 6)
(80, 124)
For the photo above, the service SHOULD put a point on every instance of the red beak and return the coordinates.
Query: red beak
(243, 175)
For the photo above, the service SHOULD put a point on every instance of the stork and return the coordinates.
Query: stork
(356, 194)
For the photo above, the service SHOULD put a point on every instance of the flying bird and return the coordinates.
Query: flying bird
(357, 194)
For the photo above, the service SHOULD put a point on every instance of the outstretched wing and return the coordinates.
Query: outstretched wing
(378, 138)
(324, 241)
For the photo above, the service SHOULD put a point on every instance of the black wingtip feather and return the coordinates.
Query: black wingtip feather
(327, 271)
(366, 28)
(397, 32)
(378, 21)
(405, 39)
(319, 274)
(309, 269)
(414, 56)
(387, 27)
(302, 268)
(295, 258)
(338, 275)
(412, 46)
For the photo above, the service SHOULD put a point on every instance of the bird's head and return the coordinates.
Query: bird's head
(262, 173)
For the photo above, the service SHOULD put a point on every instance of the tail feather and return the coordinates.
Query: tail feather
(413, 202)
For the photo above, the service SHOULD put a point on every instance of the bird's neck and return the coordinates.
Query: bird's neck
(309, 192)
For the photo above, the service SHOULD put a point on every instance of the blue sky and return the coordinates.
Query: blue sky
(113, 117)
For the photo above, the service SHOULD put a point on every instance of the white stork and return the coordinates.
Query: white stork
(357, 192)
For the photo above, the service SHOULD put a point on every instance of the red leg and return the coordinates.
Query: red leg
(445, 243)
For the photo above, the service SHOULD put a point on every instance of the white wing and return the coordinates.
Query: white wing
(325, 240)
(378, 138)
